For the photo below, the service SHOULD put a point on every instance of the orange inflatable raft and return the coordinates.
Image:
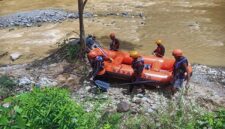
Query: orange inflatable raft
(160, 69)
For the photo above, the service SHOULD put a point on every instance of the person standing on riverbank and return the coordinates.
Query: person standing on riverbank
(160, 50)
(180, 71)
(115, 44)
(97, 64)
(138, 66)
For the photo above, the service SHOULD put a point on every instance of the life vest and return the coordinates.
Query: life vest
(179, 69)
(114, 44)
(138, 65)
(160, 51)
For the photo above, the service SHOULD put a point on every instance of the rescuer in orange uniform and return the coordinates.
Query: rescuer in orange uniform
(138, 66)
(97, 64)
(115, 44)
(180, 71)
(160, 50)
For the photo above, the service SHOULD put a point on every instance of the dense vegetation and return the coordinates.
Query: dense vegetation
(50, 108)
(53, 108)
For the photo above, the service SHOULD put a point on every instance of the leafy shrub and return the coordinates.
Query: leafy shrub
(98, 118)
(137, 122)
(181, 114)
(214, 120)
(52, 108)
(110, 121)
(11, 118)
(6, 82)
(72, 50)
(7, 86)
(48, 108)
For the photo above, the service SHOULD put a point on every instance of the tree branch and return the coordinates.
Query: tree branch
(84, 3)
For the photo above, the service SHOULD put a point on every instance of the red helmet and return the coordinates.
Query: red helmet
(112, 35)
(177, 52)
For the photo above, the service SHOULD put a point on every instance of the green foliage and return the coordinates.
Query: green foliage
(178, 115)
(11, 118)
(214, 120)
(52, 108)
(110, 121)
(175, 115)
(69, 47)
(6, 82)
(100, 119)
(72, 51)
(7, 86)
(137, 122)
(48, 108)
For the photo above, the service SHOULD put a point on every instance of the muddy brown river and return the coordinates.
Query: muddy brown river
(195, 26)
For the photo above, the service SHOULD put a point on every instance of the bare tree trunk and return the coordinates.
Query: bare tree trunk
(81, 5)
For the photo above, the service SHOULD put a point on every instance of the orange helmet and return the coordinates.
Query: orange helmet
(92, 54)
(159, 41)
(177, 52)
(112, 35)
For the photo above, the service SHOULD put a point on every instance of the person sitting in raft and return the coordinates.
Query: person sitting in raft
(115, 44)
(138, 66)
(180, 71)
(160, 50)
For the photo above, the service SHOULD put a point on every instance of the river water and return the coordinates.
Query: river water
(195, 26)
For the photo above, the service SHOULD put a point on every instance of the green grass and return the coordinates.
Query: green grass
(53, 108)
(214, 120)
(48, 108)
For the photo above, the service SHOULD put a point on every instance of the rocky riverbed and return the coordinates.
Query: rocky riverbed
(37, 17)
(206, 87)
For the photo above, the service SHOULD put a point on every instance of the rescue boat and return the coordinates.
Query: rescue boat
(157, 69)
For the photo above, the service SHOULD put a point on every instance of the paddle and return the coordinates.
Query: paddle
(101, 49)
(134, 83)
(105, 86)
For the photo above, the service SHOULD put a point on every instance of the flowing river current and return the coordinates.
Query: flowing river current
(195, 26)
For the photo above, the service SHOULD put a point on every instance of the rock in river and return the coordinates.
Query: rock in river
(15, 56)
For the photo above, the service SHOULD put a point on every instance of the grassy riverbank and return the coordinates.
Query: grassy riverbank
(54, 108)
